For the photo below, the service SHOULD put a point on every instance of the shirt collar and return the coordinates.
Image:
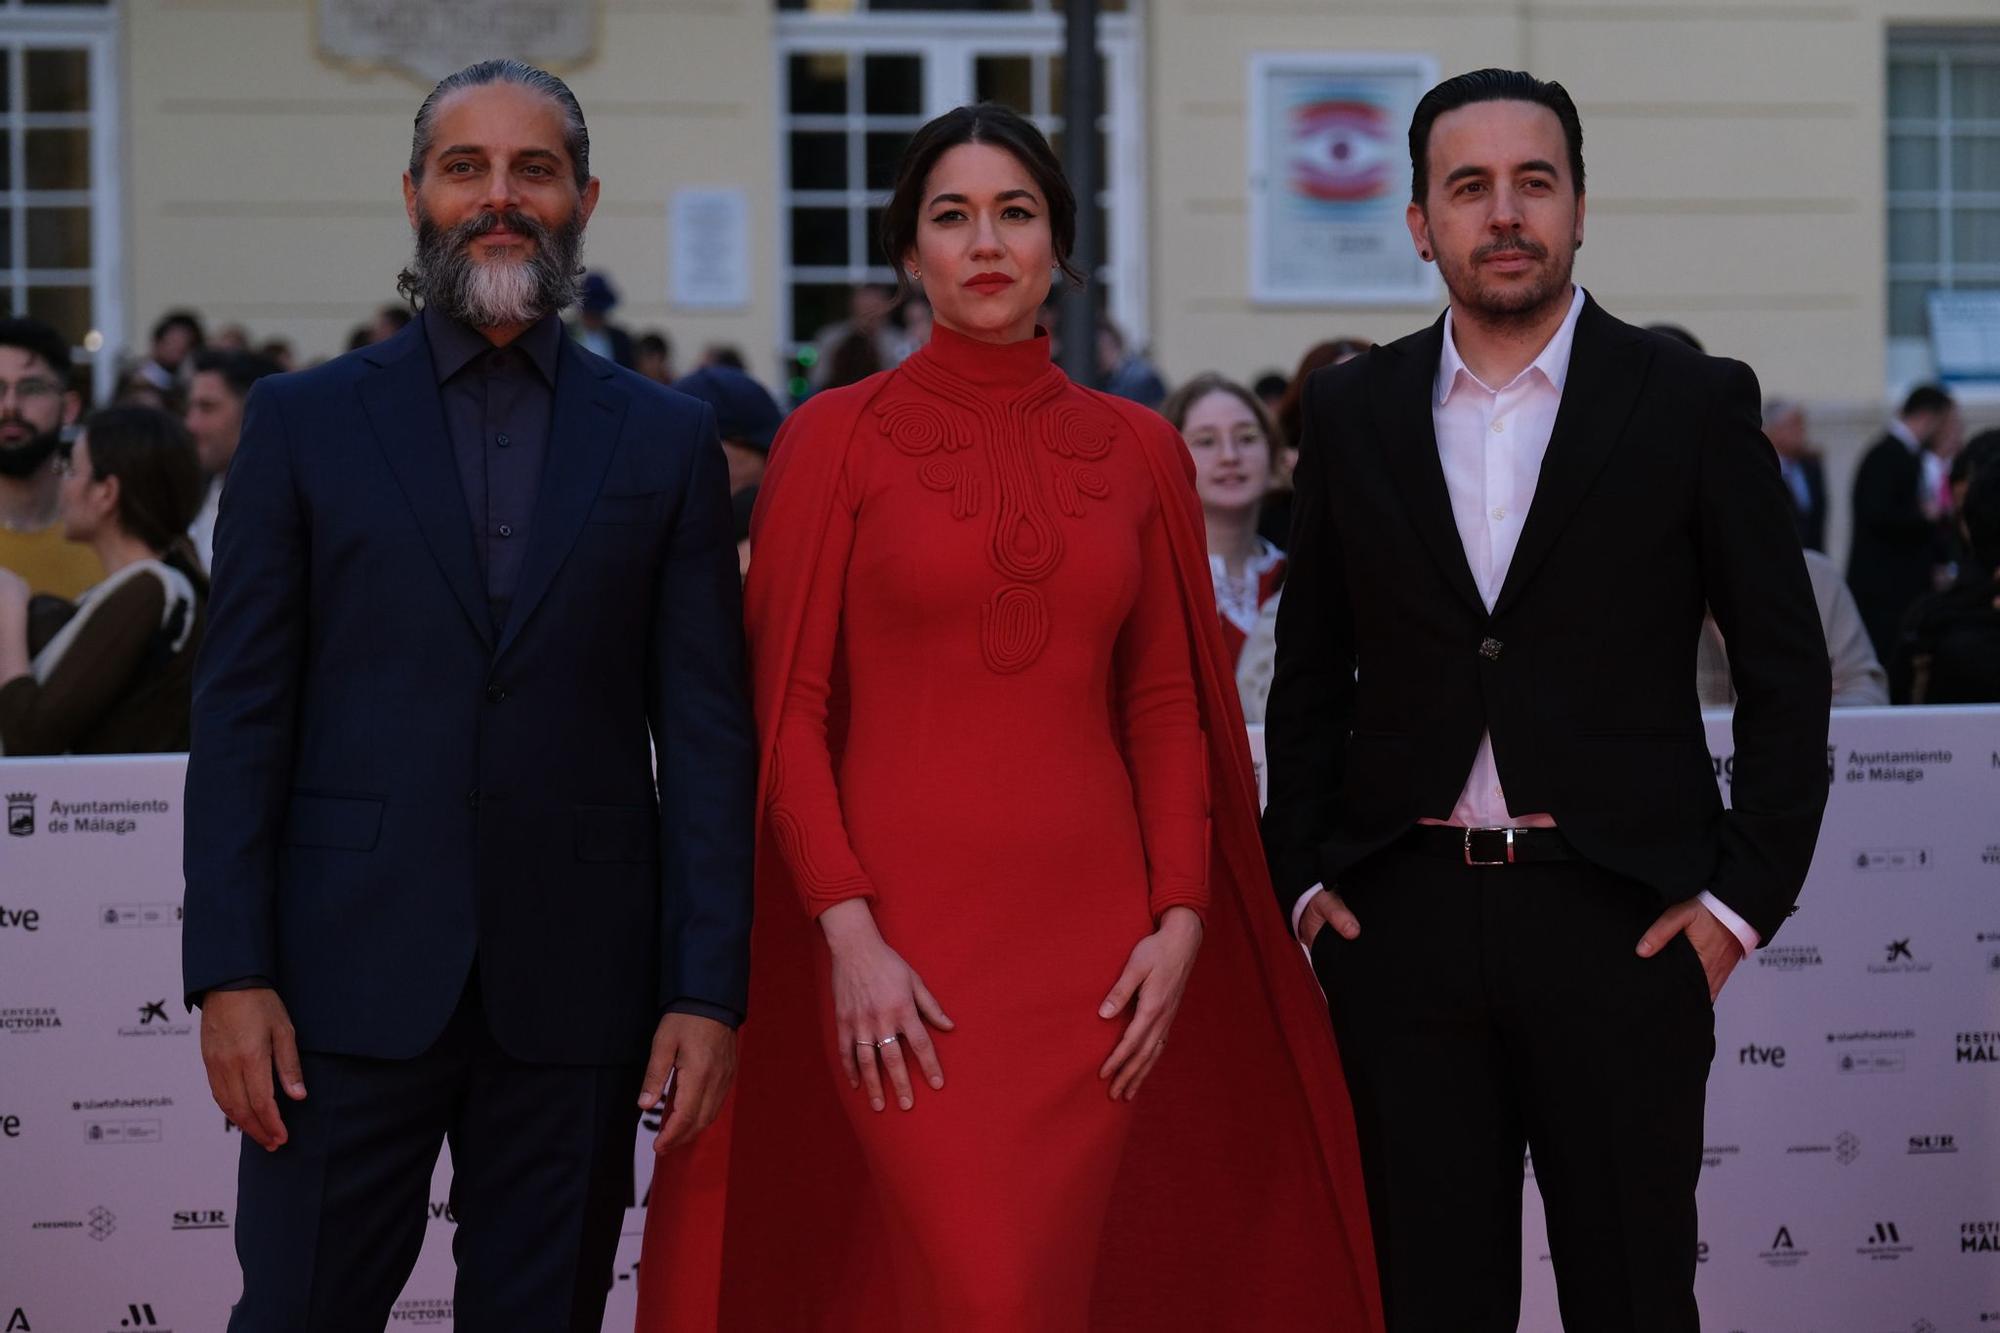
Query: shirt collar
(1267, 558)
(1552, 363)
(454, 345)
(1905, 434)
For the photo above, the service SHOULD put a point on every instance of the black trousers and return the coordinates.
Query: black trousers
(1484, 1012)
(328, 1227)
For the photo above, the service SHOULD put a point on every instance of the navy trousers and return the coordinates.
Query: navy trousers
(328, 1227)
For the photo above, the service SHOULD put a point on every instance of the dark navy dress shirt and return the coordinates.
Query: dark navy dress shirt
(497, 405)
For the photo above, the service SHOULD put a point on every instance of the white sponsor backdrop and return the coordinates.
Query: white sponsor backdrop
(1852, 1180)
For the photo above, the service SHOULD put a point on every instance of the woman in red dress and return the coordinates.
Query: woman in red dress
(997, 719)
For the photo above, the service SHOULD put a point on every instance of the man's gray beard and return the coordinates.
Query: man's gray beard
(501, 290)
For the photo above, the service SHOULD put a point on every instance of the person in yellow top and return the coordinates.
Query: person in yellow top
(35, 405)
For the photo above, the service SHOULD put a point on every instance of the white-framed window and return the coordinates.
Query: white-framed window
(1943, 132)
(857, 83)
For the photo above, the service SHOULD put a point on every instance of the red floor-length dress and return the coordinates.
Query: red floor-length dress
(995, 718)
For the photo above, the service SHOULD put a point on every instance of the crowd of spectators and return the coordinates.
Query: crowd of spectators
(107, 519)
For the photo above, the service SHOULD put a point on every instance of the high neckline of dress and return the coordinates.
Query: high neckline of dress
(997, 366)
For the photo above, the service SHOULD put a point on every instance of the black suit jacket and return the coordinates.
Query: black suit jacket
(1811, 520)
(383, 784)
(1895, 549)
(1658, 495)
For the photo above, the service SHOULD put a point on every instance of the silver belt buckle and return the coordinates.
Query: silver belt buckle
(1506, 860)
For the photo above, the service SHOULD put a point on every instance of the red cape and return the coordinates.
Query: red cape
(1239, 1204)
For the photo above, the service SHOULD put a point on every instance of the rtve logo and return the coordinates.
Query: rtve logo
(1753, 1054)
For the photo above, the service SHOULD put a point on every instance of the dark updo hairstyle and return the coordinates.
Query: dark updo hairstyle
(160, 487)
(996, 126)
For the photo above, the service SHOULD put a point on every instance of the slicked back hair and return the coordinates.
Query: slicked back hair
(1490, 85)
(576, 136)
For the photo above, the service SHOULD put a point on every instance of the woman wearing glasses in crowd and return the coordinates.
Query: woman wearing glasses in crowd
(1029, 1045)
(1237, 458)
(111, 673)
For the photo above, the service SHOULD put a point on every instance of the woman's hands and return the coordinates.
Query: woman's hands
(1157, 974)
(880, 1006)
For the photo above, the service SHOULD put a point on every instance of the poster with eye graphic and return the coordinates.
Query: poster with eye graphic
(1330, 178)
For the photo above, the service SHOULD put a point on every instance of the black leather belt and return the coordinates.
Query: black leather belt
(1492, 846)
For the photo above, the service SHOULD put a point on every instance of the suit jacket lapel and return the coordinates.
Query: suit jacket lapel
(1607, 366)
(1403, 389)
(583, 433)
(402, 404)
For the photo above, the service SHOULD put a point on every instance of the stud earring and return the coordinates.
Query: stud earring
(1425, 255)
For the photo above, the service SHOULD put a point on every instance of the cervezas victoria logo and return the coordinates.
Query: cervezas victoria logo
(1789, 957)
(421, 1313)
(27, 1020)
(21, 814)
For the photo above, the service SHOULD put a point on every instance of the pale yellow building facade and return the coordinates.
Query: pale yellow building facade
(1741, 159)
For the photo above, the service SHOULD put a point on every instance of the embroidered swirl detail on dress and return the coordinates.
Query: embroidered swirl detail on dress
(1074, 484)
(1013, 628)
(1076, 434)
(917, 429)
(1025, 544)
(795, 846)
(953, 478)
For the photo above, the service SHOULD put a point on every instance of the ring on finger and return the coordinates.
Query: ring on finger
(889, 1040)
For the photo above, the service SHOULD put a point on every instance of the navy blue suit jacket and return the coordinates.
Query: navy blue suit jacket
(383, 785)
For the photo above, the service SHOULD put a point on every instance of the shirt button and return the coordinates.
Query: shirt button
(506, 530)
(495, 693)
(1498, 512)
(1499, 426)
(502, 441)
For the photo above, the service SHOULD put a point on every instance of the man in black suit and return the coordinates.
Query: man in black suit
(1492, 812)
(469, 804)
(1802, 469)
(1899, 538)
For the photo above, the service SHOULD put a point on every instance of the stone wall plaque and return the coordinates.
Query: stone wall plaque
(431, 39)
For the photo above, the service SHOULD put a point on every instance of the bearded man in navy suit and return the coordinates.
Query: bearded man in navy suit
(469, 804)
